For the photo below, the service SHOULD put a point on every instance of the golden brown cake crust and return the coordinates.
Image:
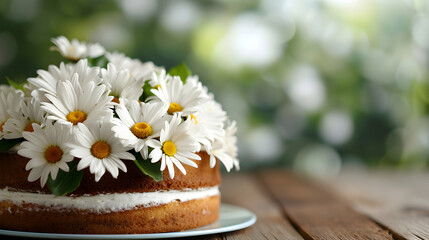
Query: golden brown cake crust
(13, 175)
(175, 216)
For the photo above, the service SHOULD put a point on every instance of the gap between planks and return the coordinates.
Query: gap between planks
(316, 212)
(397, 200)
(246, 190)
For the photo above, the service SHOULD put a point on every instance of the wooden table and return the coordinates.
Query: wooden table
(354, 205)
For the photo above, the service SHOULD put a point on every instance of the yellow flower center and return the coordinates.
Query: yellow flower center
(116, 100)
(141, 130)
(53, 154)
(29, 127)
(174, 107)
(1, 126)
(169, 148)
(194, 118)
(100, 149)
(157, 86)
(76, 117)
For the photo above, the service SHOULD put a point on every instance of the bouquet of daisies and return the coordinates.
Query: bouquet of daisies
(100, 109)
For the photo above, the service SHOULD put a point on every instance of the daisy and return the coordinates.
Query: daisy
(181, 98)
(158, 77)
(47, 81)
(225, 149)
(10, 103)
(23, 122)
(47, 150)
(99, 149)
(137, 69)
(75, 50)
(121, 84)
(143, 121)
(207, 123)
(75, 105)
(194, 81)
(7, 89)
(175, 146)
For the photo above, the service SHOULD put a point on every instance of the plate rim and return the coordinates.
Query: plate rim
(187, 233)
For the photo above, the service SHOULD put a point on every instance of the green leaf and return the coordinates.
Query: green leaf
(181, 70)
(146, 91)
(66, 182)
(15, 85)
(7, 144)
(148, 168)
(100, 61)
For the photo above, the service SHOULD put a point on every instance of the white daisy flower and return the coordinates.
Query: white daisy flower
(47, 81)
(74, 104)
(137, 69)
(194, 80)
(95, 50)
(181, 98)
(31, 112)
(226, 149)
(75, 50)
(7, 89)
(207, 123)
(175, 146)
(158, 77)
(10, 104)
(121, 84)
(47, 150)
(99, 149)
(143, 121)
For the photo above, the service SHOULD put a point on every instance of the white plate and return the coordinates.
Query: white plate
(231, 218)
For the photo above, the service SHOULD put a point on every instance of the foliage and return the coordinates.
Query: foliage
(65, 182)
(148, 168)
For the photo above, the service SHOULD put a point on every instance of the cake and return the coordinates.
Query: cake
(106, 144)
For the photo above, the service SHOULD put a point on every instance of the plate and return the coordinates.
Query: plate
(231, 218)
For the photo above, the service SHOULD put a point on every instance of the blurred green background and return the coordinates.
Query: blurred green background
(314, 85)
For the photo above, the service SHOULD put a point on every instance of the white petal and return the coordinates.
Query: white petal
(124, 156)
(155, 155)
(163, 163)
(108, 164)
(178, 165)
(170, 167)
(186, 160)
(35, 163)
(84, 162)
(35, 174)
(44, 177)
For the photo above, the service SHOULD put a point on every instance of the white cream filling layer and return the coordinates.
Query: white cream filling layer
(114, 202)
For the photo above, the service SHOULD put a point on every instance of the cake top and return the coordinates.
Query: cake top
(98, 109)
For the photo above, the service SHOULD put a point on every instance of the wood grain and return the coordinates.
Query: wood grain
(247, 191)
(397, 200)
(316, 212)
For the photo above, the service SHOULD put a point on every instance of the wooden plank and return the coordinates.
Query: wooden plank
(243, 189)
(316, 212)
(396, 200)
(246, 190)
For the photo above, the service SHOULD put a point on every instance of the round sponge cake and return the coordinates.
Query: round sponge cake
(132, 203)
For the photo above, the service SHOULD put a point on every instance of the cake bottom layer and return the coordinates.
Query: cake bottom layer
(174, 216)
